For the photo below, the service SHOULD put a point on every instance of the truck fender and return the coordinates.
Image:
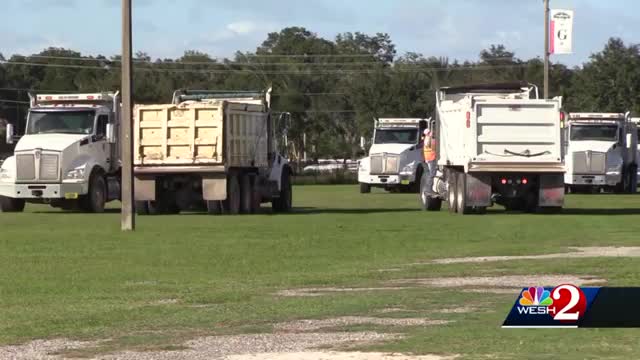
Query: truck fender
(280, 165)
(478, 190)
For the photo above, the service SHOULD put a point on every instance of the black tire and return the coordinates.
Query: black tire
(365, 188)
(246, 194)
(417, 184)
(96, 199)
(232, 204)
(283, 203)
(142, 208)
(11, 205)
(633, 180)
(214, 207)
(429, 203)
(256, 195)
(623, 186)
(552, 210)
(461, 189)
(452, 192)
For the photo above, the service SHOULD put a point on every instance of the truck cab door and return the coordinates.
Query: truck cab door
(100, 146)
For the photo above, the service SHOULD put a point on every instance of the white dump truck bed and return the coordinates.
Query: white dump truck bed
(489, 133)
(216, 132)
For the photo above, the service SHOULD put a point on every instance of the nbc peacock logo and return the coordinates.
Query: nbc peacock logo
(536, 296)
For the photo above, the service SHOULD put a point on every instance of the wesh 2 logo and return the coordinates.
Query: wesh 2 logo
(565, 303)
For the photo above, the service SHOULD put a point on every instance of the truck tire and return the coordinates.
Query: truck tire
(256, 195)
(416, 186)
(11, 205)
(214, 207)
(429, 203)
(246, 194)
(283, 203)
(633, 179)
(232, 204)
(365, 188)
(452, 192)
(461, 189)
(95, 200)
(142, 208)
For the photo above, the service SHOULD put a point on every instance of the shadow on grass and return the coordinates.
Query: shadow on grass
(73, 212)
(601, 212)
(311, 210)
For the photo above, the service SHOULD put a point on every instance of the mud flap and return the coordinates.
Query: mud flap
(214, 188)
(551, 193)
(144, 188)
(478, 190)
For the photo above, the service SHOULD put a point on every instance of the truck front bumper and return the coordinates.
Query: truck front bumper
(382, 180)
(593, 180)
(43, 191)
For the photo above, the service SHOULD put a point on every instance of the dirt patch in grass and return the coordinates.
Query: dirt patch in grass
(43, 349)
(338, 356)
(576, 252)
(508, 281)
(312, 325)
(310, 292)
(252, 346)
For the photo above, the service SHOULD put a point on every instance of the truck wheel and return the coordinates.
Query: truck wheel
(365, 188)
(429, 203)
(232, 204)
(95, 200)
(11, 205)
(142, 208)
(256, 195)
(461, 188)
(452, 192)
(246, 194)
(634, 180)
(214, 207)
(284, 202)
(417, 184)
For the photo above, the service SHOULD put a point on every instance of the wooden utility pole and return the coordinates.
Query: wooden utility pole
(126, 125)
(546, 49)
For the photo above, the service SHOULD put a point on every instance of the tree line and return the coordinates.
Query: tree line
(333, 88)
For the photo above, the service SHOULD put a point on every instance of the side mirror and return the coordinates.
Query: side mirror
(10, 133)
(111, 134)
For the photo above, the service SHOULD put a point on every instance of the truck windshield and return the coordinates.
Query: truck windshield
(73, 122)
(396, 136)
(594, 132)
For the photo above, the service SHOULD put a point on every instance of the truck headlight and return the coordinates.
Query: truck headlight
(75, 174)
(362, 167)
(614, 169)
(409, 169)
(5, 174)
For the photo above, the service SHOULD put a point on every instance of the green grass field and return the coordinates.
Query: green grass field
(77, 276)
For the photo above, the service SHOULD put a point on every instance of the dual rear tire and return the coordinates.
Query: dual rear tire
(457, 194)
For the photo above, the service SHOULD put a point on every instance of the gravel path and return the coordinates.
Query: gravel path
(311, 325)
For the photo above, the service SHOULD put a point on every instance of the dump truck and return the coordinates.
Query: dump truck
(601, 153)
(636, 121)
(496, 144)
(69, 156)
(395, 160)
(210, 151)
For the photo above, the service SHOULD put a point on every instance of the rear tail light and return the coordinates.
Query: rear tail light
(525, 181)
(562, 116)
(468, 119)
(504, 181)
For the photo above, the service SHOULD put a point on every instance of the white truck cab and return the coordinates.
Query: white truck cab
(636, 121)
(601, 153)
(68, 156)
(395, 160)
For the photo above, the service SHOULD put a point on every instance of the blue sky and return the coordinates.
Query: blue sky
(458, 29)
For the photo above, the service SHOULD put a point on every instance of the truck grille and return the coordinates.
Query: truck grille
(385, 164)
(47, 166)
(26, 167)
(589, 162)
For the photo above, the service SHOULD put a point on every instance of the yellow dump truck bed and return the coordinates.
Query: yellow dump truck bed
(216, 132)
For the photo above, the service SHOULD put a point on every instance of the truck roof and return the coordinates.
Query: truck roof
(399, 122)
(597, 116)
(84, 100)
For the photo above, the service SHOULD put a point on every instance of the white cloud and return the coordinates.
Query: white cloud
(242, 27)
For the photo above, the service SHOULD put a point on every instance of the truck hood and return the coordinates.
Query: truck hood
(389, 148)
(53, 142)
(597, 146)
